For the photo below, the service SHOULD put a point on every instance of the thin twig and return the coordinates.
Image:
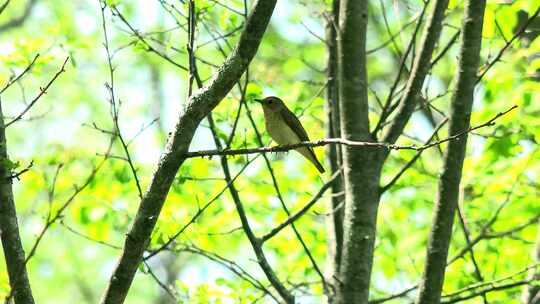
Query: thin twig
(51, 219)
(42, 91)
(18, 174)
(388, 108)
(508, 44)
(149, 47)
(115, 106)
(488, 286)
(292, 218)
(467, 235)
(3, 7)
(18, 77)
(89, 238)
(232, 266)
(163, 286)
(413, 160)
(197, 215)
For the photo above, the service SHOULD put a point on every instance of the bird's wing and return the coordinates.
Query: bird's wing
(293, 123)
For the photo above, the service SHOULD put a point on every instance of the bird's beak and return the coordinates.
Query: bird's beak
(258, 100)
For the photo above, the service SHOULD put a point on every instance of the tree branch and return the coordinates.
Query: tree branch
(18, 77)
(253, 240)
(508, 44)
(478, 289)
(420, 69)
(17, 21)
(448, 196)
(198, 107)
(292, 218)
(42, 91)
(345, 142)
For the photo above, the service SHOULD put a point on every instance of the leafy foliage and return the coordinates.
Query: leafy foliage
(66, 135)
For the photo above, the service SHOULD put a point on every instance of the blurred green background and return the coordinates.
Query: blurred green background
(72, 265)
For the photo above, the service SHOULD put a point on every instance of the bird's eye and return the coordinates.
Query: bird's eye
(270, 101)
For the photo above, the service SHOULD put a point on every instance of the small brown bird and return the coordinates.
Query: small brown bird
(285, 128)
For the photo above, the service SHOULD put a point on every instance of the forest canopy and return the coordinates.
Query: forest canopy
(137, 167)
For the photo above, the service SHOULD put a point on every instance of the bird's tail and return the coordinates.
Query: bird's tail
(310, 155)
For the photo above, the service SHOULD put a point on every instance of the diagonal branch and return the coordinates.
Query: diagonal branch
(115, 104)
(42, 91)
(198, 107)
(18, 77)
(508, 44)
(3, 7)
(420, 69)
(19, 20)
(292, 218)
(413, 160)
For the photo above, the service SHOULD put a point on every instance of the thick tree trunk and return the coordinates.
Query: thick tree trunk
(448, 196)
(531, 293)
(333, 152)
(9, 228)
(361, 166)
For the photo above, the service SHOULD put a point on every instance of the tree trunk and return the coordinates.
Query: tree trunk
(531, 293)
(448, 195)
(333, 152)
(9, 228)
(361, 166)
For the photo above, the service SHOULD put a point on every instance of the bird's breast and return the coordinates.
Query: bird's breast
(280, 132)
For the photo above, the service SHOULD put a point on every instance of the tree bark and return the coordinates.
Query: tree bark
(361, 167)
(531, 293)
(448, 194)
(333, 152)
(9, 228)
(198, 107)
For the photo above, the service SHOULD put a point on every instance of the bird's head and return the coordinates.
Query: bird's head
(271, 103)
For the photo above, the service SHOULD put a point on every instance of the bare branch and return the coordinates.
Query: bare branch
(115, 105)
(3, 7)
(508, 44)
(53, 218)
(173, 238)
(302, 211)
(231, 265)
(18, 77)
(419, 71)
(42, 91)
(477, 289)
(141, 38)
(413, 160)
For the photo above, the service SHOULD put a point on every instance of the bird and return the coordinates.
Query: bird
(285, 128)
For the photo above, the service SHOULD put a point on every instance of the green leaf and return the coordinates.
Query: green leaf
(253, 90)
(10, 165)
